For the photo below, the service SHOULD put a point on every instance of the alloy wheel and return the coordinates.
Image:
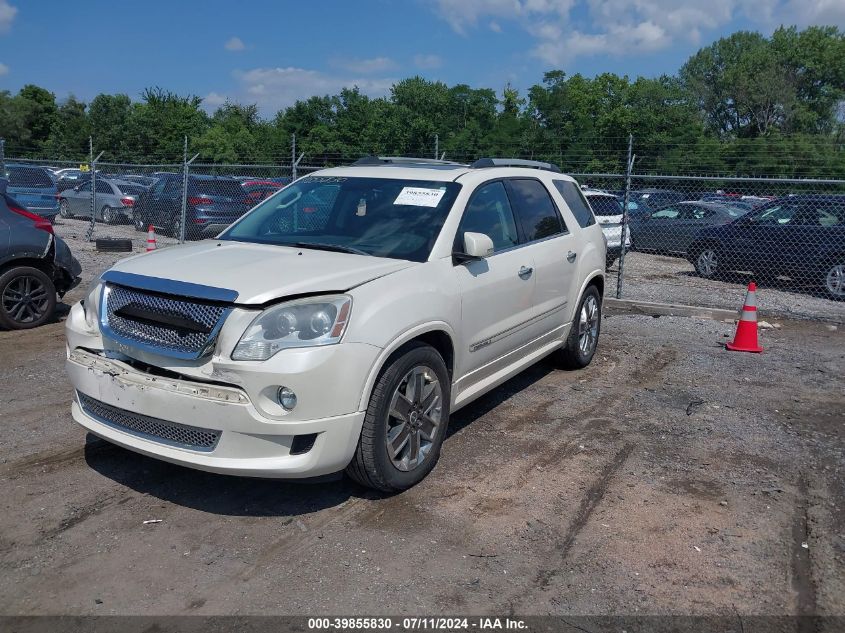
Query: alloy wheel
(588, 325)
(707, 262)
(835, 280)
(25, 299)
(414, 418)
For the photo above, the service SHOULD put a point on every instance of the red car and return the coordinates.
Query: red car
(258, 190)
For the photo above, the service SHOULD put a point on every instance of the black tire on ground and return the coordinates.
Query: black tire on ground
(371, 465)
(107, 245)
(17, 312)
(580, 346)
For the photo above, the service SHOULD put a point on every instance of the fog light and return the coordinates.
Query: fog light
(287, 398)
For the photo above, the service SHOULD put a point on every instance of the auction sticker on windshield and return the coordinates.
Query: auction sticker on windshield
(417, 197)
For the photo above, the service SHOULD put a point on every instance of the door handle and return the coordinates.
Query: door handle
(570, 256)
(525, 271)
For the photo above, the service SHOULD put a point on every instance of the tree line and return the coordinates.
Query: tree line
(745, 105)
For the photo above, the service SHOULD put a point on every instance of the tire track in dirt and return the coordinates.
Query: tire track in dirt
(591, 500)
(801, 564)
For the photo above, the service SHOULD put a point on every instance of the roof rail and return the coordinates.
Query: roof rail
(402, 160)
(514, 162)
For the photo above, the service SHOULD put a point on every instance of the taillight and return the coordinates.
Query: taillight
(198, 200)
(38, 221)
(127, 202)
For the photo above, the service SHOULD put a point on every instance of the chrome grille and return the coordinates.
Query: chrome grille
(193, 437)
(163, 336)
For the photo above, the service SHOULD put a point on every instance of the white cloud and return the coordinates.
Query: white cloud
(276, 88)
(7, 15)
(427, 62)
(234, 44)
(629, 27)
(365, 66)
(4, 69)
(213, 100)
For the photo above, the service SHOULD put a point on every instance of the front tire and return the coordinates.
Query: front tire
(405, 423)
(583, 337)
(27, 298)
(707, 262)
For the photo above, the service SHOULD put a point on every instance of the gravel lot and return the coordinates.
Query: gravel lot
(670, 476)
(665, 279)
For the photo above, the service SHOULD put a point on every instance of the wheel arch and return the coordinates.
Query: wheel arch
(438, 335)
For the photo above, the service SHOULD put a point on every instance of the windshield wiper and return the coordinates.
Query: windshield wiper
(338, 248)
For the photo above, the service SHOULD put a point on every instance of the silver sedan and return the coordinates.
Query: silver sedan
(114, 201)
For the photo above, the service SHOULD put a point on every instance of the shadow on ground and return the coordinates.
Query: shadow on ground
(246, 496)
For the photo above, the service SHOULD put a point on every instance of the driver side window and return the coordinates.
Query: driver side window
(489, 212)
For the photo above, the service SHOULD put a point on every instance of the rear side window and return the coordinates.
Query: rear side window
(534, 209)
(28, 177)
(578, 204)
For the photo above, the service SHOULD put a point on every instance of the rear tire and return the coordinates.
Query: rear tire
(108, 215)
(583, 337)
(408, 412)
(64, 209)
(833, 280)
(27, 298)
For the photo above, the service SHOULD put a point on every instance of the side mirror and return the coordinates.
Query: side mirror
(476, 246)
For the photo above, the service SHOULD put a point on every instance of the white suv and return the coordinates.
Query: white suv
(340, 322)
(608, 212)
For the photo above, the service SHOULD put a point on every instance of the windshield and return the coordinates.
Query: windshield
(28, 177)
(384, 217)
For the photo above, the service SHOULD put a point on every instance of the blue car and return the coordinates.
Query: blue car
(801, 237)
(34, 188)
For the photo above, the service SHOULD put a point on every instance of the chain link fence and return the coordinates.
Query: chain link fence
(680, 239)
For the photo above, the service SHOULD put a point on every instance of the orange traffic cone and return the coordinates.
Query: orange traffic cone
(151, 239)
(745, 339)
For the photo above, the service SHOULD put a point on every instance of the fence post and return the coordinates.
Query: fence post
(436, 146)
(186, 165)
(2, 157)
(620, 277)
(293, 156)
(90, 234)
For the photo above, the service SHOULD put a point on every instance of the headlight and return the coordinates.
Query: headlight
(304, 323)
(90, 301)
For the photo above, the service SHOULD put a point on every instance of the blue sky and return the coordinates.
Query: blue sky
(273, 52)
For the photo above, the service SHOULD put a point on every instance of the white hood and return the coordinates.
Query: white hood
(258, 272)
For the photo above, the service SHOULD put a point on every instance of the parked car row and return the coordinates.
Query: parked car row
(213, 201)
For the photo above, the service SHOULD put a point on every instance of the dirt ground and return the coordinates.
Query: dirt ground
(669, 477)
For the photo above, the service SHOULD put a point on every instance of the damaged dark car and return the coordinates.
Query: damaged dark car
(36, 267)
